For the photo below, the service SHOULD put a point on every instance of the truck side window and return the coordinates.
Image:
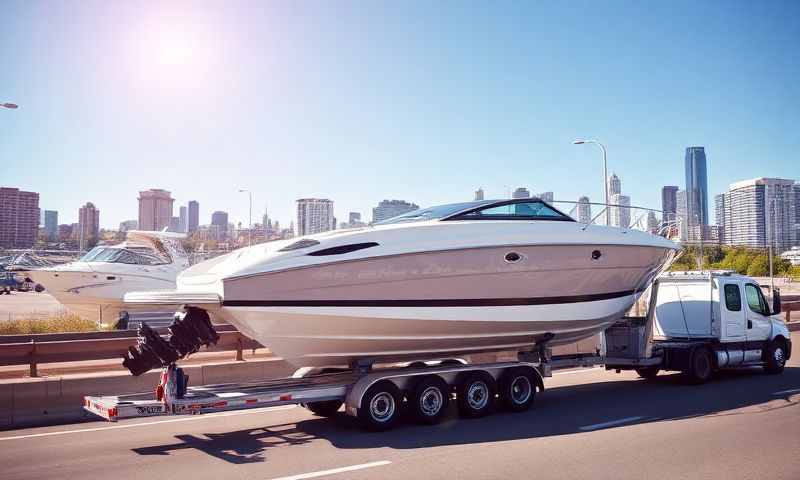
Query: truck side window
(754, 299)
(733, 298)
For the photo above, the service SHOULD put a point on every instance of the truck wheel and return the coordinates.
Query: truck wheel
(476, 395)
(648, 373)
(701, 367)
(428, 402)
(380, 406)
(776, 357)
(518, 389)
(327, 408)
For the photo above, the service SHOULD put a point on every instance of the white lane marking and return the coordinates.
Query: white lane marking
(205, 416)
(793, 390)
(570, 372)
(598, 426)
(332, 471)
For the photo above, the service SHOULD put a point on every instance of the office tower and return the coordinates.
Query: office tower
(183, 219)
(546, 196)
(51, 225)
(652, 222)
(620, 214)
(669, 203)
(174, 224)
(194, 216)
(584, 210)
(696, 187)
(64, 232)
(314, 215)
(219, 224)
(88, 226)
(521, 192)
(479, 194)
(391, 208)
(19, 218)
(155, 209)
(614, 186)
(719, 215)
(759, 212)
(680, 215)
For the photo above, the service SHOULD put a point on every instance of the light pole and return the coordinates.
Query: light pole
(605, 173)
(250, 225)
(10, 106)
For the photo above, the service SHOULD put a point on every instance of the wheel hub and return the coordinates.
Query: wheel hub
(431, 401)
(478, 395)
(520, 389)
(382, 407)
(779, 357)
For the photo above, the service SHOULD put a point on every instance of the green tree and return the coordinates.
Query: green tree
(759, 266)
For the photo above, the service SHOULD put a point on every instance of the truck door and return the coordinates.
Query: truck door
(734, 320)
(759, 326)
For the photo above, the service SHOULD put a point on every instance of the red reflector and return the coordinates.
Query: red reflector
(112, 412)
(251, 400)
(220, 404)
(160, 392)
(285, 398)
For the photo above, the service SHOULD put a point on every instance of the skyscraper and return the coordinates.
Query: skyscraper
(155, 209)
(584, 210)
(546, 196)
(669, 203)
(194, 216)
(620, 214)
(51, 225)
(19, 218)
(182, 219)
(719, 215)
(696, 187)
(88, 226)
(521, 192)
(680, 215)
(219, 222)
(391, 208)
(314, 215)
(759, 212)
(614, 186)
(478, 194)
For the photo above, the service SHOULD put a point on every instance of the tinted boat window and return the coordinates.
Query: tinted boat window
(733, 298)
(533, 210)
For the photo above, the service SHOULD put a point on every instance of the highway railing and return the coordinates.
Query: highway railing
(76, 347)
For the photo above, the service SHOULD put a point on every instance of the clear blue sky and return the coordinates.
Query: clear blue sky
(363, 101)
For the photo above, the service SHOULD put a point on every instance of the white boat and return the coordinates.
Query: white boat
(93, 286)
(439, 282)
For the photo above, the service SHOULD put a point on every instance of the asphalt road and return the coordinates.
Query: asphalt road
(587, 424)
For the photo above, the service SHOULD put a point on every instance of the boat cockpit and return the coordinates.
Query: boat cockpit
(129, 255)
(516, 209)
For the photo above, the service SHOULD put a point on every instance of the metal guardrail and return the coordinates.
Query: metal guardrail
(75, 347)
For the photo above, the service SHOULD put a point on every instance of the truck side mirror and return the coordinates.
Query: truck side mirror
(776, 302)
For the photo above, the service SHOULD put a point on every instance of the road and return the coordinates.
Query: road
(587, 424)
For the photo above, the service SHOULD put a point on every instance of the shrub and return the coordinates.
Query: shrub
(57, 324)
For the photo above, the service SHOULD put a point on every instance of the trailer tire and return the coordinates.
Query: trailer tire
(429, 400)
(326, 408)
(518, 388)
(648, 373)
(776, 357)
(701, 366)
(380, 406)
(476, 392)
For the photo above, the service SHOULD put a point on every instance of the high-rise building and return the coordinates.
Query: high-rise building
(521, 192)
(219, 223)
(314, 215)
(183, 219)
(88, 226)
(546, 196)
(614, 186)
(652, 222)
(759, 212)
(64, 232)
(680, 214)
(19, 218)
(584, 210)
(174, 224)
(194, 216)
(696, 187)
(669, 203)
(155, 209)
(620, 214)
(51, 225)
(719, 215)
(391, 208)
(478, 194)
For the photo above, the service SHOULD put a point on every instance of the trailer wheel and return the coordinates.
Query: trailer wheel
(380, 406)
(648, 373)
(327, 408)
(776, 357)
(428, 402)
(518, 389)
(701, 367)
(476, 393)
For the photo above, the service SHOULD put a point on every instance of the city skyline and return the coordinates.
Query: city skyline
(440, 100)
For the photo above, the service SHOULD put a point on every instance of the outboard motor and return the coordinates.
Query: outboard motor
(190, 330)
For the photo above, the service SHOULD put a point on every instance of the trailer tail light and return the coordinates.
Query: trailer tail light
(251, 400)
(286, 398)
(112, 412)
(160, 393)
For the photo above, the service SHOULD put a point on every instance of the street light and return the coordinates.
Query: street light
(11, 106)
(250, 226)
(605, 172)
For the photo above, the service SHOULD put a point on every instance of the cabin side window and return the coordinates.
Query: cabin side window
(733, 297)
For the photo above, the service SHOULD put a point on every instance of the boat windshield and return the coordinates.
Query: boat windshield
(432, 213)
(122, 255)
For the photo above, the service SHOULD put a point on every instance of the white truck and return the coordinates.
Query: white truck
(696, 323)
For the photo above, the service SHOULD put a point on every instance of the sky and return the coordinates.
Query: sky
(364, 101)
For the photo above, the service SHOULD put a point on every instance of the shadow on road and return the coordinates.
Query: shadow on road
(559, 411)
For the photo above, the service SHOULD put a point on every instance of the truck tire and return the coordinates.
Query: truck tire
(327, 408)
(701, 366)
(518, 388)
(476, 392)
(776, 357)
(648, 373)
(380, 406)
(428, 402)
